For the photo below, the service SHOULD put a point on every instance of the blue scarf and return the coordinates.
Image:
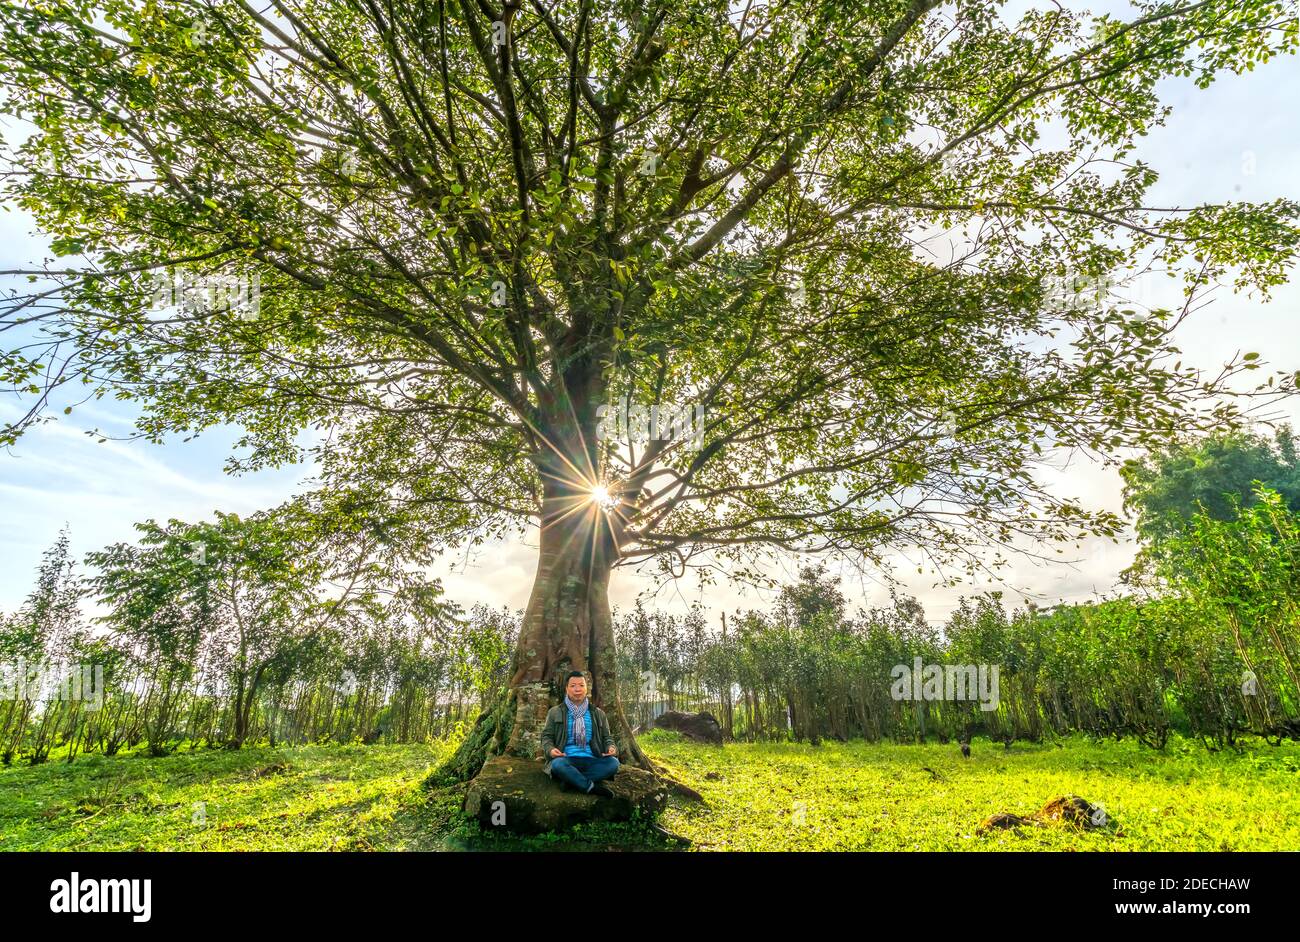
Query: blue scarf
(578, 712)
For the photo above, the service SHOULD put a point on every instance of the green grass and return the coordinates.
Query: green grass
(292, 798)
(860, 796)
(780, 796)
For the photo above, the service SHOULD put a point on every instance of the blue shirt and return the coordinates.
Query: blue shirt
(569, 748)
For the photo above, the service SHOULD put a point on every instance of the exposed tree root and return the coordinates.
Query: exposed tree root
(678, 787)
(669, 835)
(488, 737)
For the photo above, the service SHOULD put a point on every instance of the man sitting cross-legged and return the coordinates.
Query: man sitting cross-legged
(580, 752)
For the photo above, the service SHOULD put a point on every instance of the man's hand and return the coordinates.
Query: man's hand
(611, 751)
(556, 753)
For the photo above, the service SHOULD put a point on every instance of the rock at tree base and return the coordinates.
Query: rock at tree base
(516, 795)
(699, 727)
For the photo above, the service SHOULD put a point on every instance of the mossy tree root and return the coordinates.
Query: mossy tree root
(487, 739)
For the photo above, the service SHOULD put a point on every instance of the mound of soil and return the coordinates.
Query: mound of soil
(1066, 809)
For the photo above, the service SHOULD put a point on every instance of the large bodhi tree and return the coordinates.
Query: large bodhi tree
(837, 227)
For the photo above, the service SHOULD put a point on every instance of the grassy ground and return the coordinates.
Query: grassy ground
(887, 797)
(758, 797)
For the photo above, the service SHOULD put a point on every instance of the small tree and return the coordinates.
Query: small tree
(253, 598)
(38, 643)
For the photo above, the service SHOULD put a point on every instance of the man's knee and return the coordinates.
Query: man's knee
(561, 764)
(607, 768)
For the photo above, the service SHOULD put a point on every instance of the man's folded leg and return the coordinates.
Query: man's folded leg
(602, 768)
(567, 771)
(596, 769)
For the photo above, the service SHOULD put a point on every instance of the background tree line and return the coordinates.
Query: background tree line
(1206, 640)
(308, 624)
(287, 626)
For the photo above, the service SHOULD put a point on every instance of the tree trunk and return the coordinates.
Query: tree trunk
(567, 626)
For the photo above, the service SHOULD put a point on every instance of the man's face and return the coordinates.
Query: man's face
(577, 689)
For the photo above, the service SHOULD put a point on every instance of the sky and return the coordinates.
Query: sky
(1236, 140)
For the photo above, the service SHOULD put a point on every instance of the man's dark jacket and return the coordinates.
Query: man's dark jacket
(556, 732)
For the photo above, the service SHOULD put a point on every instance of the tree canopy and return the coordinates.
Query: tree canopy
(1215, 475)
(837, 228)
